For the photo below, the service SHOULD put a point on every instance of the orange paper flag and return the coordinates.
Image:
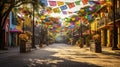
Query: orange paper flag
(85, 2)
(71, 5)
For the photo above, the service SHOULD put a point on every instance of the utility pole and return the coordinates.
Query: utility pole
(33, 31)
(90, 31)
(114, 47)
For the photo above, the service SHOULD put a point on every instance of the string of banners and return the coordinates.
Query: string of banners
(61, 6)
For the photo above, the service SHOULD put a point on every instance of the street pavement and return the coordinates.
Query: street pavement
(60, 55)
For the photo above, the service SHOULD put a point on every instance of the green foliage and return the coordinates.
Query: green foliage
(7, 5)
(14, 19)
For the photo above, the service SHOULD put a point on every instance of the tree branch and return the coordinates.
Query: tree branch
(5, 17)
(2, 5)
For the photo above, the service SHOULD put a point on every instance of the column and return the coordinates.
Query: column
(102, 37)
(108, 38)
(16, 39)
(118, 37)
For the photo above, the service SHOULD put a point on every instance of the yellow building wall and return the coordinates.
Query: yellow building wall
(19, 27)
(94, 26)
(108, 38)
(102, 37)
(119, 37)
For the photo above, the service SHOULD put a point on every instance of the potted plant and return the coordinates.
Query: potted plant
(23, 39)
(96, 37)
(79, 42)
(97, 41)
(29, 34)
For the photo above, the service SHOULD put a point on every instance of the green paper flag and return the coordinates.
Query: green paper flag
(77, 2)
(78, 24)
(86, 16)
(68, 19)
(67, 3)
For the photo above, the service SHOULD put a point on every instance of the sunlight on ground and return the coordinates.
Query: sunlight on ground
(60, 53)
(46, 61)
(81, 55)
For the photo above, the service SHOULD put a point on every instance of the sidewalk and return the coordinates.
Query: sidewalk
(16, 49)
(10, 49)
(105, 50)
(109, 51)
(60, 55)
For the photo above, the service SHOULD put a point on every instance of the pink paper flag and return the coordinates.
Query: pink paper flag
(52, 3)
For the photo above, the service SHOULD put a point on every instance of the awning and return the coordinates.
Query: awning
(16, 31)
(20, 16)
(88, 32)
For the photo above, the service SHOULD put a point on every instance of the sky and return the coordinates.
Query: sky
(61, 15)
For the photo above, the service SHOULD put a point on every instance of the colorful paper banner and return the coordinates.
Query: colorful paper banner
(70, 12)
(49, 10)
(56, 10)
(77, 2)
(63, 7)
(60, 3)
(91, 3)
(64, 12)
(71, 5)
(44, 2)
(85, 2)
(89, 17)
(52, 3)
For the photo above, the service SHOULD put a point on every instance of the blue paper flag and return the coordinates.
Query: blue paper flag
(91, 3)
(44, 2)
(63, 7)
(89, 17)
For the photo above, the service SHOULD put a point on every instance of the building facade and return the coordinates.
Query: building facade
(105, 24)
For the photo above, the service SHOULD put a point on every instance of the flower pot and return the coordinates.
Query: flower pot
(80, 45)
(22, 46)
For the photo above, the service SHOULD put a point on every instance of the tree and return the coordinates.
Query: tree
(5, 7)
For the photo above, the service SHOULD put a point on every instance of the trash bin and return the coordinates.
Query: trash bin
(24, 47)
(95, 46)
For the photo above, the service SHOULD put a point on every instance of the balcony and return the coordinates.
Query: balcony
(101, 22)
(108, 19)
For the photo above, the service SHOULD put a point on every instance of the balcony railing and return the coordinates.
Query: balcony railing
(102, 22)
(108, 19)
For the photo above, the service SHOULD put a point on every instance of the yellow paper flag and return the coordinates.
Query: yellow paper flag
(73, 19)
(60, 3)
(56, 10)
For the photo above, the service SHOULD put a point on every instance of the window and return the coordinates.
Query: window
(118, 3)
